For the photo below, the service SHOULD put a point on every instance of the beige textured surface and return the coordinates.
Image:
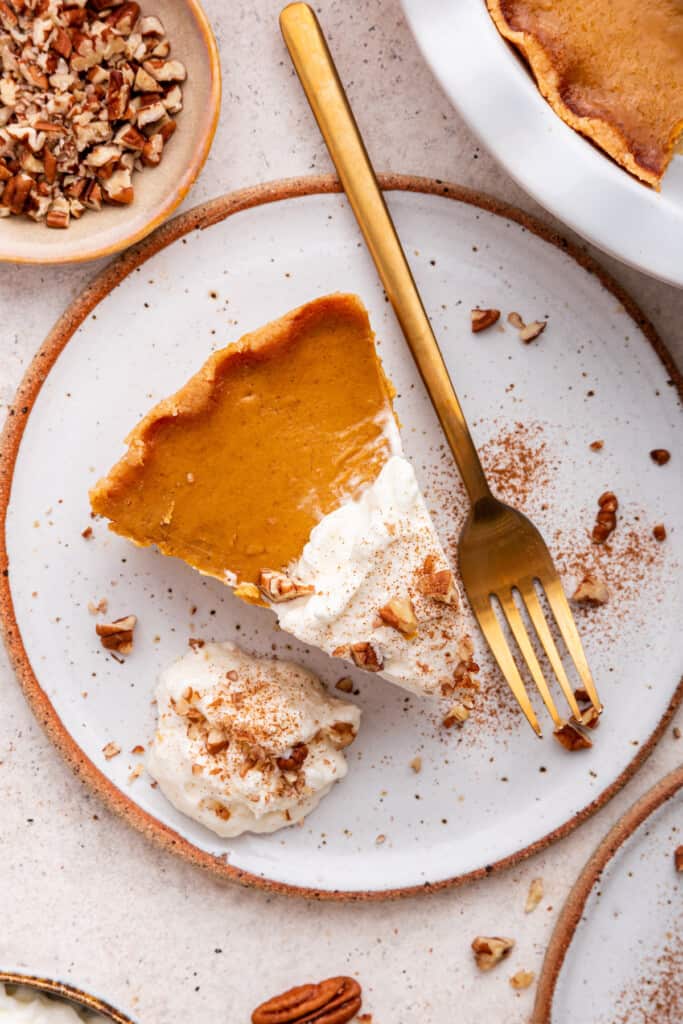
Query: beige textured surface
(84, 897)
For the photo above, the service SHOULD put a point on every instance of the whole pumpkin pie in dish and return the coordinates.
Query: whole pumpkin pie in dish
(611, 70)
(278, 469)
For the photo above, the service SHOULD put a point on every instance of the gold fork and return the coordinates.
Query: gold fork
(502, 554)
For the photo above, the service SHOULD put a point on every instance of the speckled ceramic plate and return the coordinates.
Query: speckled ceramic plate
(61, 992)
(624, 913)
(494, 91)
(491, 792)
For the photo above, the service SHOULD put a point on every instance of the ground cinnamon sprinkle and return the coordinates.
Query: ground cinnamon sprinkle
(518, 462)
(524, 469)
(656, 997)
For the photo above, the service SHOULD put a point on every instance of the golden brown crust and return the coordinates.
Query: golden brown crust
(634, 113)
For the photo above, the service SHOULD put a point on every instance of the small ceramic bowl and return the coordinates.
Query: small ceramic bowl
(159, 190)
(81, 1001)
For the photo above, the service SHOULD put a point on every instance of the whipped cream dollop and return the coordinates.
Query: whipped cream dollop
(365, 554)
(26, 1006)
(246, 743)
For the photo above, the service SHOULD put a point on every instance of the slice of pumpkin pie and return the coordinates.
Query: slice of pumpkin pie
(278, 469)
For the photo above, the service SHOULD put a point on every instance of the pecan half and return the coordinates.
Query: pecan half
(334, 1001)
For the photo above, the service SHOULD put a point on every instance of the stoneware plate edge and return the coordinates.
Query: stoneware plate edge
(68, 992)
(571, 912)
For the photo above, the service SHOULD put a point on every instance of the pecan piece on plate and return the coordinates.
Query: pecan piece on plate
(483, 318)
(591, 590)
(490, 950)
(334, 1001)
(117, 635)
(571, 737)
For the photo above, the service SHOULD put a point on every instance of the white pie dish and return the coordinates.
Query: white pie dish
(494, 92)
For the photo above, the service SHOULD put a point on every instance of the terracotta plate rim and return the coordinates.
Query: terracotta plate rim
(203, 216)
(60, 988)
(572, 911)
(185, 183)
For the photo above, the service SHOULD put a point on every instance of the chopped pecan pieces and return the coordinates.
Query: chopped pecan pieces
(483, 318)
(522, 980)
(534, 896)
(334, 1001)
(589, 717)
(678, 858)
(527, 332)
(367, 656)
(278, 587)
(342, 734)
(596, 446)
(531, 331)
(490, 950)
(399, 613)
(345, 685)
(606, 519)
(111, 750)
(457, 715)
(591, 590)
(570, 736)
(439, 586)
(295, 760)
(79, 84)
(416, 764)
(660, 455)
(216, 741)
(659, 532)
(117, 635)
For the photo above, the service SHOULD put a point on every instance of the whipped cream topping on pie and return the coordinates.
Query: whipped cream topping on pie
(246, 743)
(380, 578)
(25, 1006)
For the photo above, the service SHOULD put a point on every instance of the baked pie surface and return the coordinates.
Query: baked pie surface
(612, 69)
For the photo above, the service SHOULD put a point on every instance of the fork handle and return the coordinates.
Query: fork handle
(318, 74)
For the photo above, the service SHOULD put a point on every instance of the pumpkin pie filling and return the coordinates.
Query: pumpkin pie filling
(278, 469)
(232, 473)
(613, 71)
